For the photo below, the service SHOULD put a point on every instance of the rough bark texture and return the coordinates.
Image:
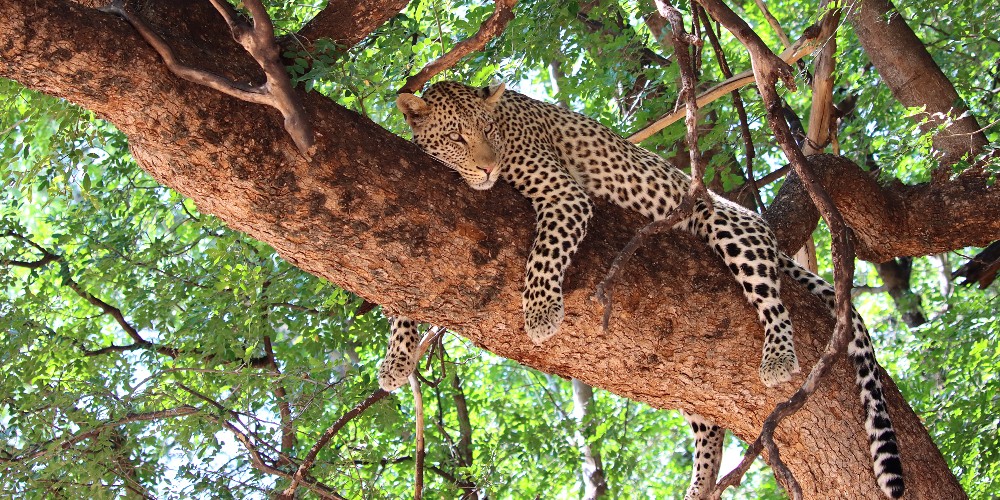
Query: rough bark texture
(347, 22)
(374, 215)
(893, 219)
(914, 78)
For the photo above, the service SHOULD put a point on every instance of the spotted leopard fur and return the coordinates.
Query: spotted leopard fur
(559, 160)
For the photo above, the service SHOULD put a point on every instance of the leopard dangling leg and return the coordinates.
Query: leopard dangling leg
(401, 354)
(748, 247)
(708, 439)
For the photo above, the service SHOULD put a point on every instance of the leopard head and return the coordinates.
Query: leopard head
(454, 123)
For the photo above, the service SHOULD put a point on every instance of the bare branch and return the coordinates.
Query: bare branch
(490, 29)
(821, 116)
(418, 404)
(696, 191)
(774, 23)
(331, 431)
(805, 45)
(259, 41)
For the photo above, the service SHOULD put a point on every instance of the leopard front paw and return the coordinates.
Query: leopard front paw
(542, 320)
(778, 368)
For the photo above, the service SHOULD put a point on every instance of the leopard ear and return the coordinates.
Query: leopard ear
(412, 107)
(496, 92)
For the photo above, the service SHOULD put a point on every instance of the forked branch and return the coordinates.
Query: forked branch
(768, 69)
(811, 39)
(490, 29)
(696, 191)
(258, 39)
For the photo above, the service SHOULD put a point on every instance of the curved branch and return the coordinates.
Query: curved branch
(490, 29)
(811, 39)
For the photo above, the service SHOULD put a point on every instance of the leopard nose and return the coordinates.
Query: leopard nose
(488, 170)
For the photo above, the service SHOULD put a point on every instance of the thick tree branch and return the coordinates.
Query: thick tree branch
(915, 79)
(892, 219)
(490, 29)
(347, 22)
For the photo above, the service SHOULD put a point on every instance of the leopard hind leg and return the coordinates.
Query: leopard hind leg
(708, 439)
(401, 354)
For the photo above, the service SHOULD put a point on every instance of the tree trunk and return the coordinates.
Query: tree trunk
(376, 216)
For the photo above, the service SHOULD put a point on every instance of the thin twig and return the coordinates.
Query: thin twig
(696, 191)
(331, 431)
(418, 404)
(751, 153)
(256, 458)
(41, 449)
(490, 29)
(802, 47)
(259, 41)
(774, 23)
(768, 69)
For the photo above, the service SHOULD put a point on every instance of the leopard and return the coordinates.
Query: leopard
(560, 161)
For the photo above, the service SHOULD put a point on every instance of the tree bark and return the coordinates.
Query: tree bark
(895, 274)
(915, 79)
(373, 214)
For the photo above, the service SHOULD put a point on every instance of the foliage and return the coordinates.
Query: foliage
(213, 307)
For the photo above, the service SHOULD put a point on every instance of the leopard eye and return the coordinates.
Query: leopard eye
(455, 136)
(488, 129)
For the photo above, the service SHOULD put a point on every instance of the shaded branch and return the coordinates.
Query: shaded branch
(139, 342)
(981, 268)
(490, 29)
(347, 22)
(775, 25)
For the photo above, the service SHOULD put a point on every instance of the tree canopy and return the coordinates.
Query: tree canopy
(189, 301)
